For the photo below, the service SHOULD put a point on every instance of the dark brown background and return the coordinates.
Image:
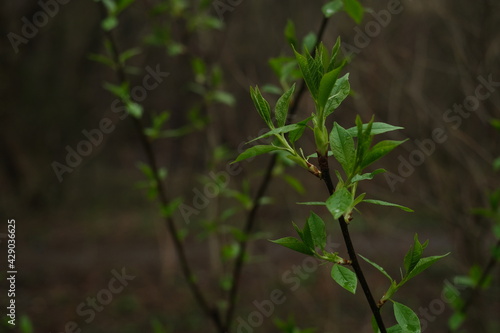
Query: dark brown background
(71, 235)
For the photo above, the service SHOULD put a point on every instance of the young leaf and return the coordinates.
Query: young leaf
(318, 232)
(255, 151)
(354, 9)
(281, 108)
(326, 86)
(293, 244)
(379, 268)
(311, 71)
(379, 150)
(456, 320)
(307, 237)
(422, 265)
(290, 33)
(339, 202)
(332, 7)
(261, 105)
(406, 318)
(384, 203)
(342, 146)
(345, 278)
(340, 91)
(377, 128)
(365, 176)
(294, 135)
(413, 255)
(279, 130)
(312, 203)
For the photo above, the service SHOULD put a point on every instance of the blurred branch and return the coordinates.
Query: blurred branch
(200, 298)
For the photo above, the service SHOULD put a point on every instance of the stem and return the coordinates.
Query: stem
(250, 221)
(325, 171)
(210, 311)
(486, 272)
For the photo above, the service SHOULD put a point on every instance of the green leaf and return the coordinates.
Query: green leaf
(318, 231)
(224, 97)
(124, 56)
(345, 278)
(120, 91)
(281, 108)
(255, 151)
(413, 255)
(339, 202)
(294, 135)
(378, 267)
(379, 150)
(134, 109)
(406, 318)
(261, 105)
(293, 244)
(332, 7)
(294, 183)
(396, 329)
(102, 59)
(366, 176)
(342, 145)
(25, 324)
(354, 9)
(456, 320)
(364, 139)
(326, 86)
(311, 71)
(340, 91)
(422, 265)
(109, 23)
(312, 203)
(496, 164)
(272, 89)
(171, 207)
(384, 203)
(307, 237)
(309, 41)
(377, 128)
(290, 33)
(279, 130)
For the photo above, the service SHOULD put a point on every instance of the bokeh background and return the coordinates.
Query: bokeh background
(72, 234)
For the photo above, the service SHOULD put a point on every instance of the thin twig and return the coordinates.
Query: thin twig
(250, 221)
(325, 171)
(486, 272)
(210, 311)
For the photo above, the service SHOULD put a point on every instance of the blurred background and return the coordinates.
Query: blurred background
(421, 69)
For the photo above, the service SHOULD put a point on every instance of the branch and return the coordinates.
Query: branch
(250, 221)
(325, 171)
(210, 311)
(486, 272)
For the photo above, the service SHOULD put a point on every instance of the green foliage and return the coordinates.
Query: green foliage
(478, 278)
(345, 278)
(289, 326)
(353, 8)
(414, 264)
